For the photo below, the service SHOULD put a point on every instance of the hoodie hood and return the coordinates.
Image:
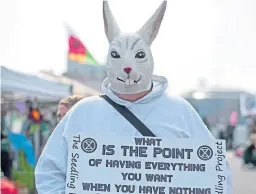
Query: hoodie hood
(160, 85)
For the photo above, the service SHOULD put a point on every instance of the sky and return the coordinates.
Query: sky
(212, 40)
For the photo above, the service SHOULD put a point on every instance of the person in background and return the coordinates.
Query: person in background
(253, 125)
(66, 104)
(6, 159)
(63, 107)
(230, 129)
(221, 128)
(206, 122)
(249, 155)
(204, 118)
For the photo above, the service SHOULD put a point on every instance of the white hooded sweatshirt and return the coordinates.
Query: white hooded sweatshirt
(165, 116)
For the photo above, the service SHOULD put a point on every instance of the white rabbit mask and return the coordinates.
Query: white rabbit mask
(130, 62)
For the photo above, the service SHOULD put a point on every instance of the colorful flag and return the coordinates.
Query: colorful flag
(21, 142)
(77, 51)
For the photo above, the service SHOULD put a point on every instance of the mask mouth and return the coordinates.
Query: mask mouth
(120, 79)
(135, 81)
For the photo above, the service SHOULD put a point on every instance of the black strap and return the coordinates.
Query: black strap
(126, 113)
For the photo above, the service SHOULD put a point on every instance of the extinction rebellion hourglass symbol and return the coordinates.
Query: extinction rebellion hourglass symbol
(204, 152)
(89, 145)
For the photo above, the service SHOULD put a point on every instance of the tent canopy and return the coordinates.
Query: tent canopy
(78, 87)
(26, 85)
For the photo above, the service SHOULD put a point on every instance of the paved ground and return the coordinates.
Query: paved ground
(244, 180)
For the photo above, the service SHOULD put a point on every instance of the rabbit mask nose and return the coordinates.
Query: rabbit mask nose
(127, 69)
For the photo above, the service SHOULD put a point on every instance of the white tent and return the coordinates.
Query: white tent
(78, 87)
(30, 86)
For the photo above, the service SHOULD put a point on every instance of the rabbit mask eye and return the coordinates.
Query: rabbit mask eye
(140, 55)
(115, 55)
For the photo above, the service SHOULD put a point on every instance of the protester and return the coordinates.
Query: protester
(204, 118)
(6, 158)
(130, 83)
(249, 155)
(253, 125)
(207, 124)
(231, 128)
(66, 104)
(63, 107)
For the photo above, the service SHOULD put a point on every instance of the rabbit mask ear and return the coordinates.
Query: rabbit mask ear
(150, 29)
(111, 28)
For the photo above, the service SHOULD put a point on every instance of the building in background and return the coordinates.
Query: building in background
(216, 104)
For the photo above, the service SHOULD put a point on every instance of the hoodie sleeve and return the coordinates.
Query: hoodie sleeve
(197, 129)
(50, 172)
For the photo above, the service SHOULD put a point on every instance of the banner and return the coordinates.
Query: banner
(145, 165)
(247, 105)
